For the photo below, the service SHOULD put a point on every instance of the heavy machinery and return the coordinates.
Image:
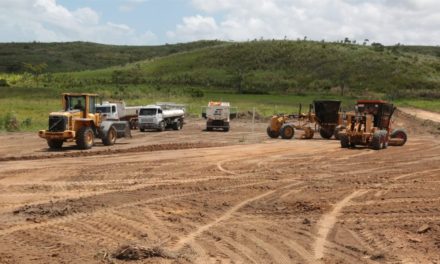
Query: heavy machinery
(323, 115)
(161, 116)
(79, 122)
(370, 125)
(119, 111)
(218, 115)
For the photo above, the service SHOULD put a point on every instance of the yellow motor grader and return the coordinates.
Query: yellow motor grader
(326, 118)
(80, 122)
(370, 125)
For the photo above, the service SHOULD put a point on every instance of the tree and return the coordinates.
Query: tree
(35, 69)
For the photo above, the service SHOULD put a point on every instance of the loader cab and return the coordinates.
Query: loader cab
(380, 110)
(83, 103)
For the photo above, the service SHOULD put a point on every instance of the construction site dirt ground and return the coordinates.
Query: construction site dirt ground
(192, 196)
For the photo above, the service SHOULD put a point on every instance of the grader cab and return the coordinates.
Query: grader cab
(78, 121)
(370, 125)
(323, 115)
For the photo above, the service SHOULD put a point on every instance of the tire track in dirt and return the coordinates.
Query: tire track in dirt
(327, 221)
(228, 214)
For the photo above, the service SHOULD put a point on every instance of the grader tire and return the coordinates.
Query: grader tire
(377, 140)
(85, 138)
(400, 134)
(337, 130)
(55, 143)
(345, 143)
(326, 132)
(272, 133)
(110, 138)
(287, 132)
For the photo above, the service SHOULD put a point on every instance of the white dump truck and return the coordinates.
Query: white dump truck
(218, 115)
(161, 116)
(117, 110)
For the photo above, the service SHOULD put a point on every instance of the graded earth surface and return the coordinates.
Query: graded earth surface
(193, 196)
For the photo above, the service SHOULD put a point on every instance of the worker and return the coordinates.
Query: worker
(79, 106)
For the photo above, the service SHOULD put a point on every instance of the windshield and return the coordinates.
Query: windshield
(75, 102)
(148, 111)
(103, 109)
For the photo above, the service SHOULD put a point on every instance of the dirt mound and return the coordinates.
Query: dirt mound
(109, 151)
(248, 115)
(133, 252)
(414, 125)
(40, 212)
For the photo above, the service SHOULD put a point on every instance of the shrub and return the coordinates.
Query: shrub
(10, 122)
(196, 93)
(3, 83)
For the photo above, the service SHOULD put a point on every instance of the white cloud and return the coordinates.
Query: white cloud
(46, 20)
(385, 21)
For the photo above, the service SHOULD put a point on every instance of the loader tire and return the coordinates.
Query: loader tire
(85, 138)
(110, 138)
(272, 133)
(377, 140)
(345, 143)
(401, 134)
(55, 143)
(287, 132)
(326, 132)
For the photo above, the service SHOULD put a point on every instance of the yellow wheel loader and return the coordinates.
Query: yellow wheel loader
(80, 122)
(326, 118)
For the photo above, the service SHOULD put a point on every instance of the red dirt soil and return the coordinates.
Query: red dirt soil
(215, 197)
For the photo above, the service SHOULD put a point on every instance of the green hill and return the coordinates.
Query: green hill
(299, 67)
(78, 56)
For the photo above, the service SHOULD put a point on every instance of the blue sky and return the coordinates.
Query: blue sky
(153, 22)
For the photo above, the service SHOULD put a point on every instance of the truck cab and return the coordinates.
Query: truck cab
(108, 110)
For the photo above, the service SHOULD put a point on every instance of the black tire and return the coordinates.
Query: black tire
(272, 133)
(142, 130)
(326, 132)
(55, 143)
(85, 138)
(161, 126)
(401, 134)
(345, 142)
(287, 131)
(377, 140)
(110, 138)
(177, 125)
(226, 129)
(208, 128)
(336, 131)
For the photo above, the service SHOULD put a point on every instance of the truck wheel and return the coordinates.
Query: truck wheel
(55, 143)
(110, 138)
(142, 130)
(400, 134)
(177, 125)
(377, 140)
(345, 143)
(226, 129)
(208, 128)
(287, 132)
(161, 126)
(272, 133)
(85, 138)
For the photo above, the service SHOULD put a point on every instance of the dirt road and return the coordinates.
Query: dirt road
(241, 199)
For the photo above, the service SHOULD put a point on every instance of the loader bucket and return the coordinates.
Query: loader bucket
(327, 111)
